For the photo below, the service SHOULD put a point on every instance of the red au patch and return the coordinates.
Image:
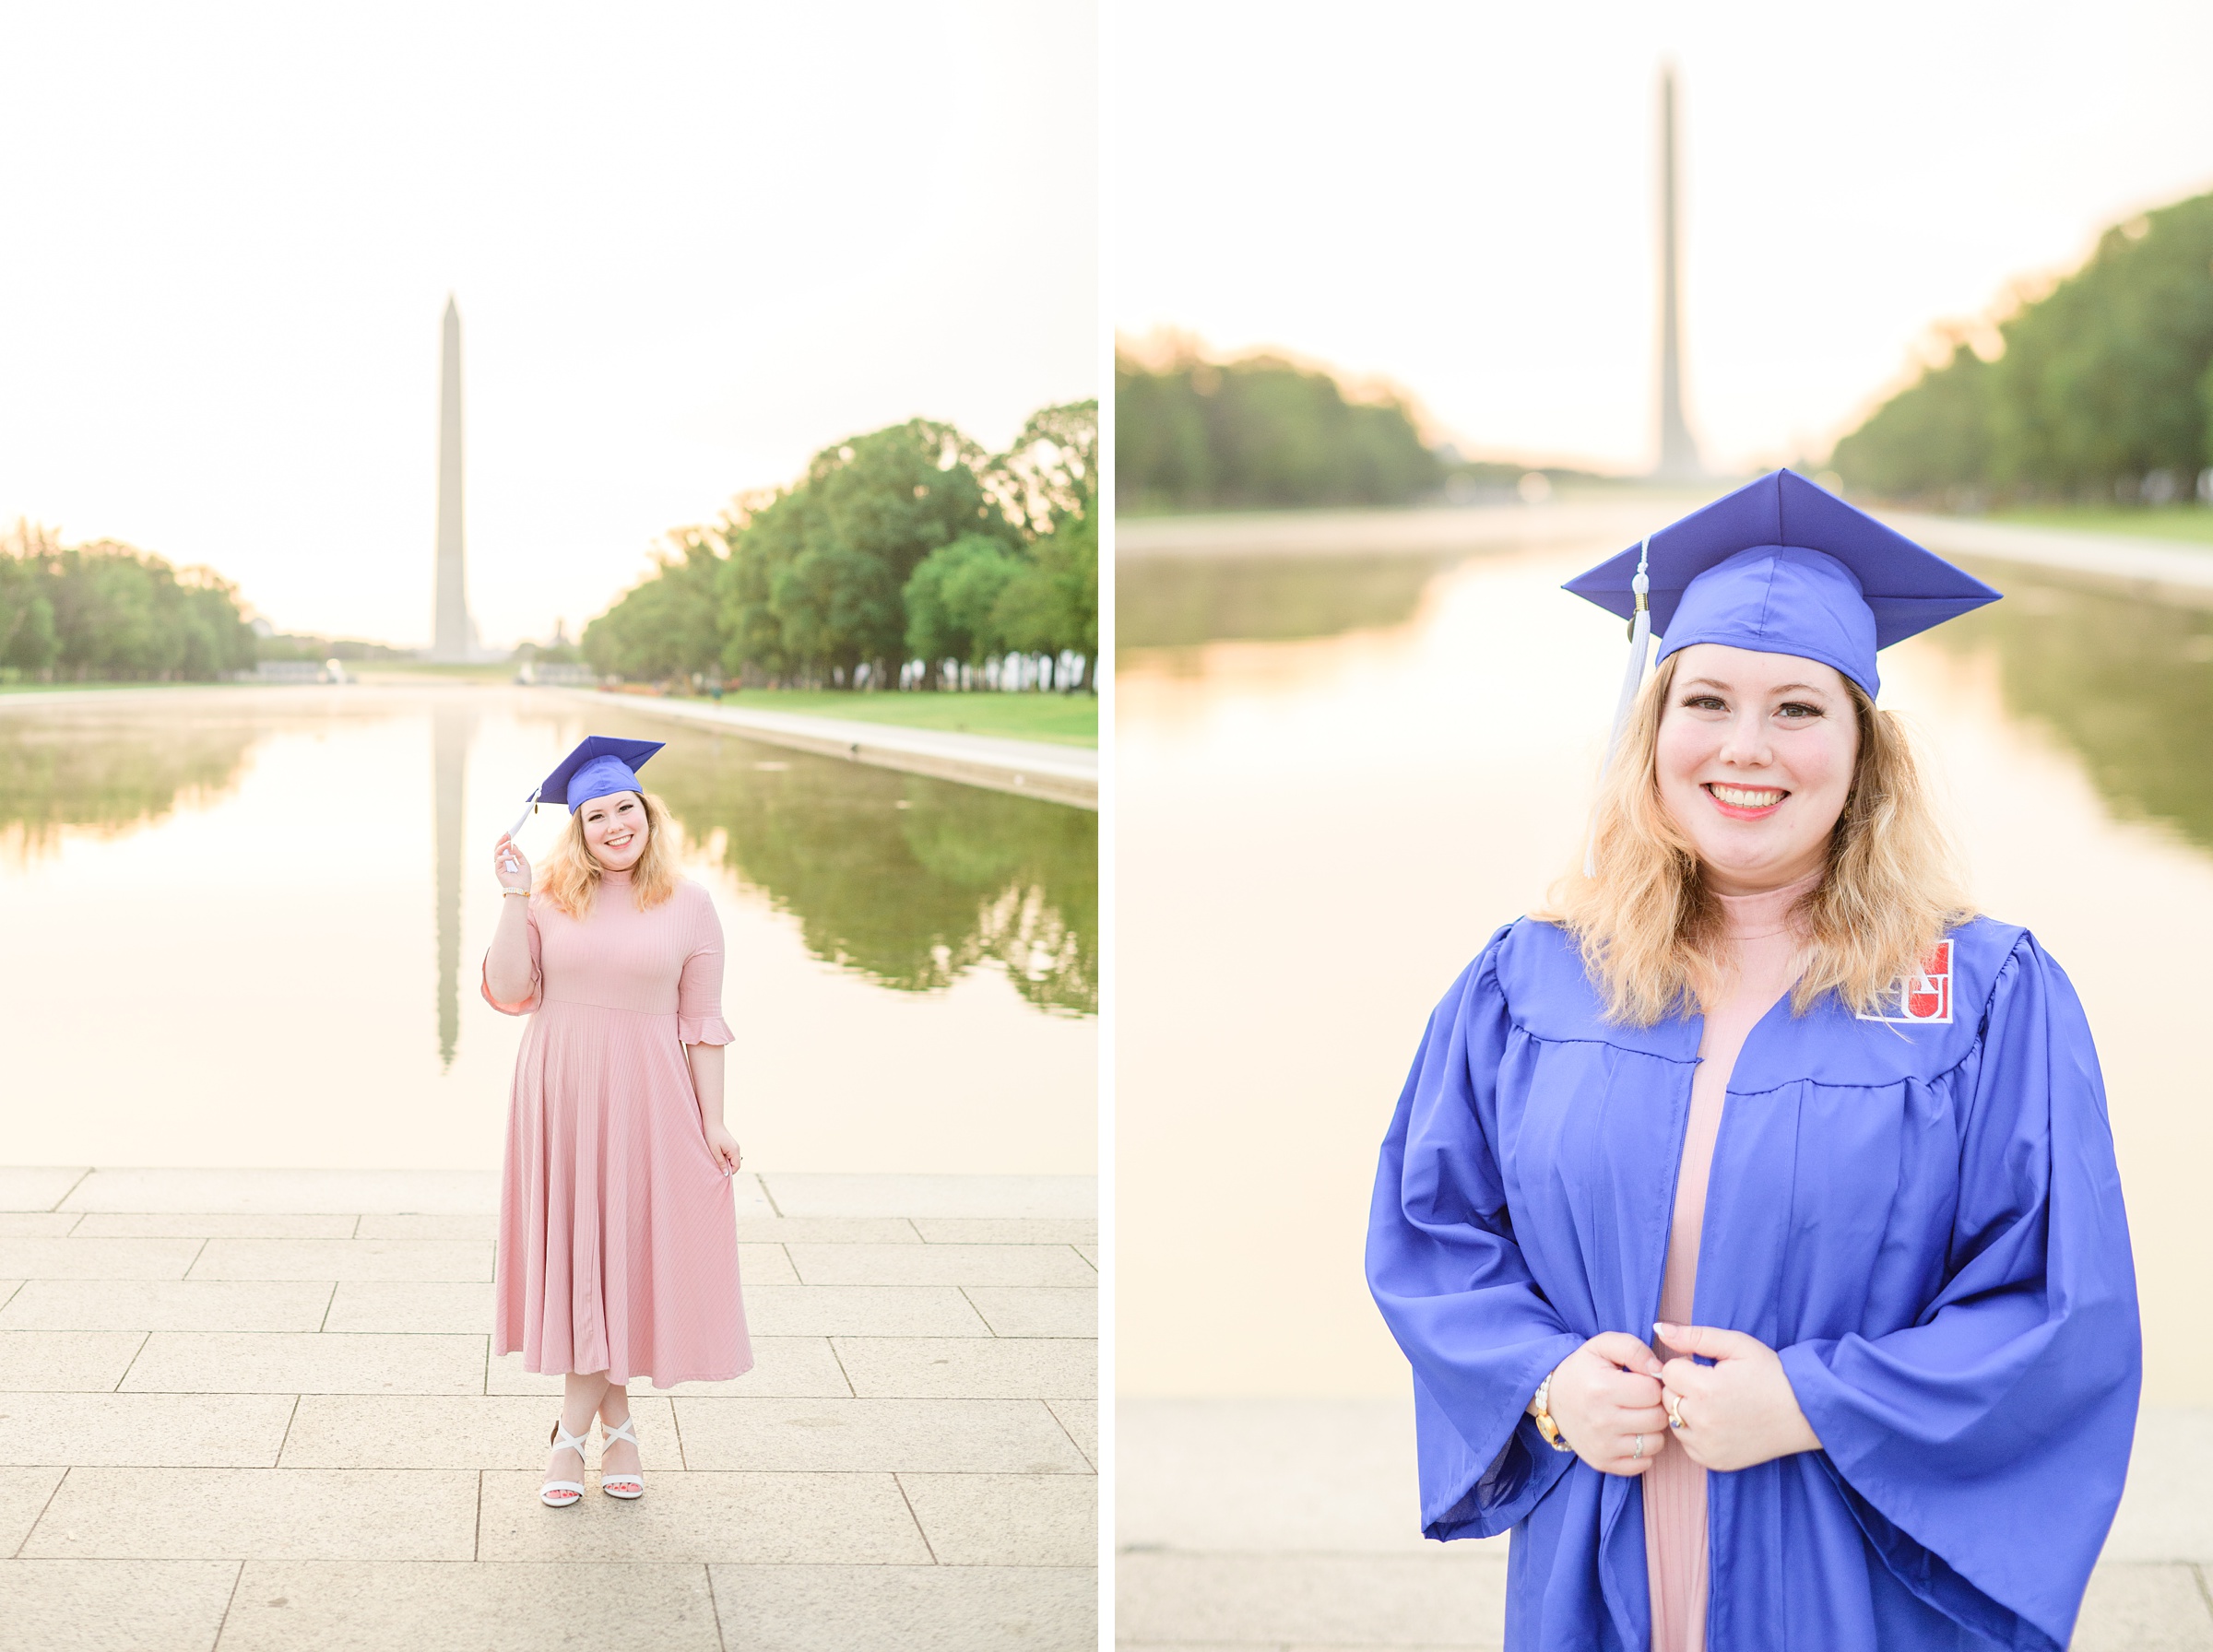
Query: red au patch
(1924, 996)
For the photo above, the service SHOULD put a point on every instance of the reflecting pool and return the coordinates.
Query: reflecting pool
(244, 928)
(1320, 823)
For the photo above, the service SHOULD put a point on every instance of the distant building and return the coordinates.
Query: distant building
(555, 674)
(453, 632)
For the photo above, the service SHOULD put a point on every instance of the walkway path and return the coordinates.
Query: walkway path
(256, 1409)
(1028, 768)
(1263, 1526)
(2155, 568)
(2161, 568)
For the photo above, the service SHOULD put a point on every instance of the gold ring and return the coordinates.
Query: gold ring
(1674, 1412)
(1639, 1451)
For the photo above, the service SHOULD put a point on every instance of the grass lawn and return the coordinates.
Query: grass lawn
(1061, 719)
(96, 686)
(2190, 524)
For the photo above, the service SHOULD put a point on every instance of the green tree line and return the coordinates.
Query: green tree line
(2100, 388)
(906, 558)
(104, 610)
(1259, 434)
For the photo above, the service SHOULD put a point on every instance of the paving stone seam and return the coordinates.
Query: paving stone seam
(930, 1547)
(1071, 1432)
(974, 1308)
(228, 1602)
(847, 1376)
(721, 1640)
(71, 1188)
(677, 1422)
(2198, 1572)
(279, 1463)
(11, 1291)
(136, 1354)
(41, 1514)
(324, 1324)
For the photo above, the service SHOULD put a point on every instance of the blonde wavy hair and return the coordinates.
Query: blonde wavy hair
(1651, 934)
(569, 877)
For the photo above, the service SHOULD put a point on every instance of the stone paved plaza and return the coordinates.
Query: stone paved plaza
(1286, 1526)
(249, 1410)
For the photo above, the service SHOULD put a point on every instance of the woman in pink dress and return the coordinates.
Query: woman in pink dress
(618, 1251)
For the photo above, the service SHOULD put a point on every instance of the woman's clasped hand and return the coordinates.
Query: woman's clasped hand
(1613, 1399)
(1605, 1397)
(1738, 1411)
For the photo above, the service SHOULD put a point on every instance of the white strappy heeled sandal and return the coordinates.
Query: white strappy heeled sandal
(624, 1486)
(561, 1493)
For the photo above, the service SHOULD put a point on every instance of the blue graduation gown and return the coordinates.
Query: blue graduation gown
(1924, 1219)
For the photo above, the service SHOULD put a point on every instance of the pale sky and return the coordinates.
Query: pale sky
(1462, 197)
(691, 245)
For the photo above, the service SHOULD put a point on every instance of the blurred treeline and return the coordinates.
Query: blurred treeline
(110, 767)
(104, 610)
(1258, 434)
(980, 875)
(907, 557)
(2100, 388)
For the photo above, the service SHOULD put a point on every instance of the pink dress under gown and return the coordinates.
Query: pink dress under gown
(1765, 944)
(618, 1236)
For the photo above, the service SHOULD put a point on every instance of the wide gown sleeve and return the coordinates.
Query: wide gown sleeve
(698, 988)
(1450, 1280)
(1983, 1448)
(531, 1000)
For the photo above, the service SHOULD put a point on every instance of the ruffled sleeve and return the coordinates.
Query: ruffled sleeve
(1982, 1448)
(1453, 1283)
(698, 988)
(530, 1001)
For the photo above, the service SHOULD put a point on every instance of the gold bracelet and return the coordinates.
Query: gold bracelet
(1546, 1425)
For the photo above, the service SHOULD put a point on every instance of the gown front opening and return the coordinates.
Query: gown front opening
(618, 1235)
(1920, 1212)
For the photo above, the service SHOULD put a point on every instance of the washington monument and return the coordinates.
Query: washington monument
(453, 634)
(1678, 450)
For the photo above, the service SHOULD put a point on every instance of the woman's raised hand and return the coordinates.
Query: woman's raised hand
(1605, 1395)
(510, 865)
(1737, 1411)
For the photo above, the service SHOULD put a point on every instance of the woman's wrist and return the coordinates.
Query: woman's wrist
(1540, 1408)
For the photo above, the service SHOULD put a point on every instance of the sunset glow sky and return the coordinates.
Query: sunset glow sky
(691, 244)
(1462, 197)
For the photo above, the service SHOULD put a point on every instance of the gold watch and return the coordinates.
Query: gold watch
(1546, 1425)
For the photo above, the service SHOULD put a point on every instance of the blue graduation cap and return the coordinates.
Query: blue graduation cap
(1779, 566)
(599, 767)
(1783, 566)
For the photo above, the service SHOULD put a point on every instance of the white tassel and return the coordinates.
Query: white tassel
(1632, 679)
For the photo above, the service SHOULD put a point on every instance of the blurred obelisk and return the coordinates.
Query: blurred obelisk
(453, 637)
(1678, 450)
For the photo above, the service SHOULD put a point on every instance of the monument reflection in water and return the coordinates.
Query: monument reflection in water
(218, 902)
(1349, 806)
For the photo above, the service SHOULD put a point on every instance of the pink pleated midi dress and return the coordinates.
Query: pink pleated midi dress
(618, 1234)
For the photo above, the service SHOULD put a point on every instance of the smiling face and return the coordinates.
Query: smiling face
(615, 829)
(1755, 758)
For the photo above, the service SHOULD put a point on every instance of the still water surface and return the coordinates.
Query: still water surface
(244, 926)
(1326, 806)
